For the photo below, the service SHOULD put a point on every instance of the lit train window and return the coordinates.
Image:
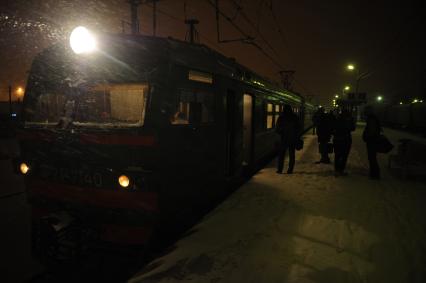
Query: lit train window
(194, 106)
(103, 104)
(270, 116)
(277, 113)
(200, 77)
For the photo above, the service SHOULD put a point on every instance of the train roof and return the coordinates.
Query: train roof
(194, 56)
(200, 57)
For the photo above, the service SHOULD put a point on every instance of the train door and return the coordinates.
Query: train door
(233, 144)
(247, 129)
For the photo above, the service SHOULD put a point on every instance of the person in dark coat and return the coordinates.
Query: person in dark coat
(288, 127)
(370, 136)
(324, 132)
(315, 119)
(342, 141)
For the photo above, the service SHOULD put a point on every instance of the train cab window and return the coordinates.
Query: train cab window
(102, 104)
(270, 116)
(193, 107)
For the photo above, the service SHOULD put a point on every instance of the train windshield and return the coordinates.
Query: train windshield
(98, 105)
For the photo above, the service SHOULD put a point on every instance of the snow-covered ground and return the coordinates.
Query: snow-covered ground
(307, 227)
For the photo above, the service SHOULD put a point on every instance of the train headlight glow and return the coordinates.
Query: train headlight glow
(124, 181)
(82, 41)
(24, 168)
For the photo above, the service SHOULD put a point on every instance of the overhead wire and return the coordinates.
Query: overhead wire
(247, 19)
(259, 12)
(247, 36)
(248, 40)
(177, 19)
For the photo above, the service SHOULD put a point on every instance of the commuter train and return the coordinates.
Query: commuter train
(411, 116)
(139, 130)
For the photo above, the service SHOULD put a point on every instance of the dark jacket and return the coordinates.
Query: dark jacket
(343, 126)
(316, 118)
(325, 127)
(372, 129)
(288, 127)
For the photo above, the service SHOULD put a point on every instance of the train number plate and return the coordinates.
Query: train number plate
(73, 176)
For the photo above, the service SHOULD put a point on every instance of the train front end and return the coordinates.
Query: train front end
(88, 146)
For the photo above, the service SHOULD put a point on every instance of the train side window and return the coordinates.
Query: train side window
(277, 113)
(269, 116)
(194, 106)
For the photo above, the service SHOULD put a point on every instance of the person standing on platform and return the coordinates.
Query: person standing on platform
(370, 136)
(342, 141)
(315, 119)
(288, 127)
(324, 132)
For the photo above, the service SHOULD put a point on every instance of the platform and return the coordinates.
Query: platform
(307, 227)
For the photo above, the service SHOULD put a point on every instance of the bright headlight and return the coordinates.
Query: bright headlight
(82, 41)
(24, 168)
(124, 181)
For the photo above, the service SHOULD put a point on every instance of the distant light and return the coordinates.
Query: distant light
(347, 87)
(336, 96)
(379, 98)
(350, 67)
(13, 115)
(82, 41)
(415, 101)
(421, 101)
(19, 91)
(400, 103)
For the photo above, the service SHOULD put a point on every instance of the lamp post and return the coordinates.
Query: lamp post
(359, 75)
(345, 90)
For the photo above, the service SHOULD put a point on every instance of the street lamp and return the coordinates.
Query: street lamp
(359, 75)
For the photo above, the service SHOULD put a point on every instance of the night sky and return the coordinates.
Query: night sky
(315, 38)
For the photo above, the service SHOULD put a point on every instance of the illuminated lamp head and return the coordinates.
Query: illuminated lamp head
(124, 181)
(24, 168)
(82, 41)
